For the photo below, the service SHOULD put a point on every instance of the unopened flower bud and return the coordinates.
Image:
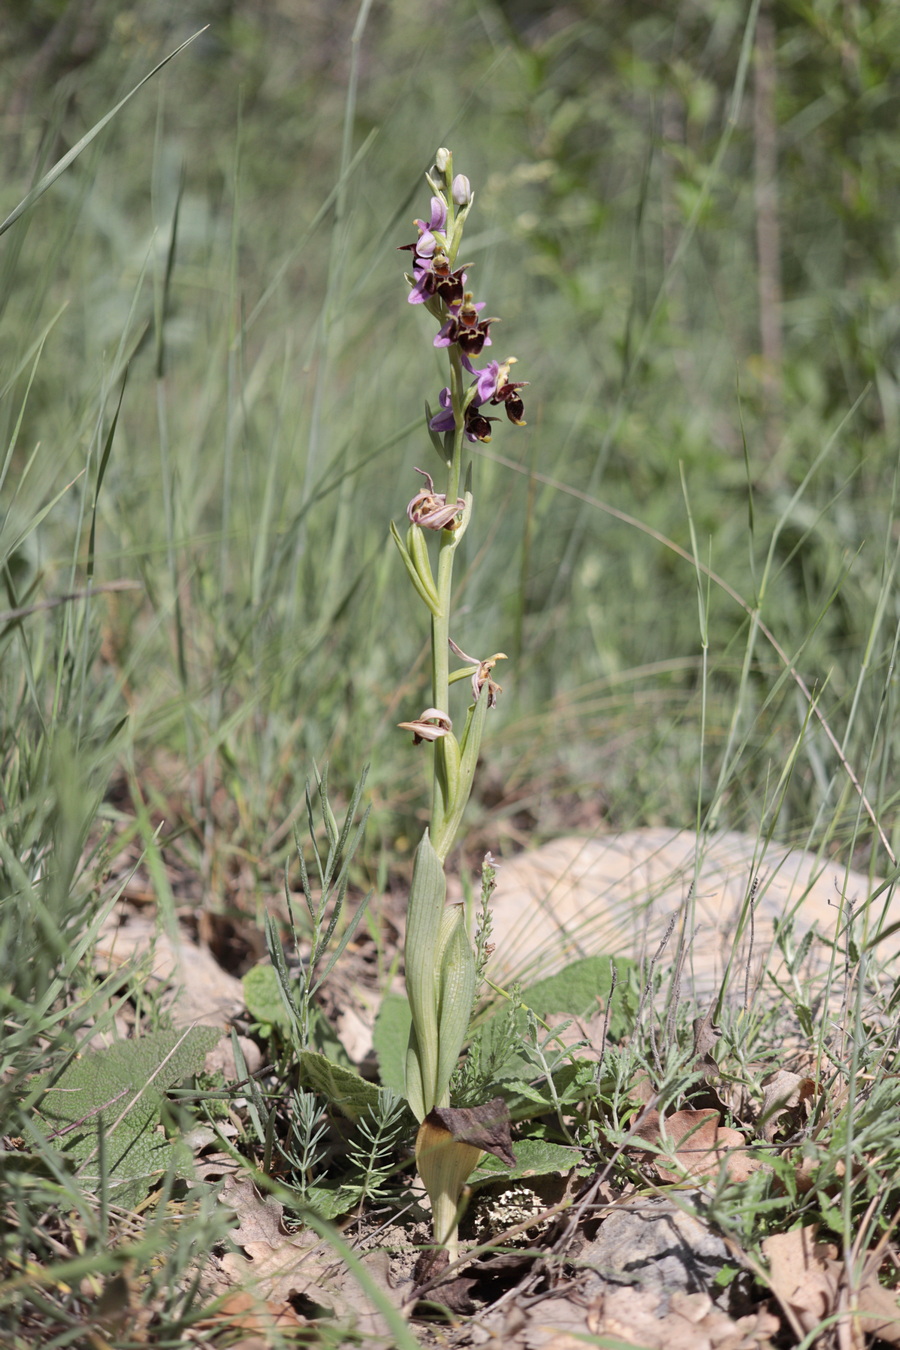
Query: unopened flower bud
(442, 159)
(462, 190)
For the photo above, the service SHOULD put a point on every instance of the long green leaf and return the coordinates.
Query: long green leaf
(423, 926)
(61, 165)
(101, 472)
(457, 994)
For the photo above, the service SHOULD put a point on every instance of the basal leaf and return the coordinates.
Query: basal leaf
(583, 987)
(390, 1037)
(102, 1112)
(262, 996)
(534, 1158)
(341, 1087)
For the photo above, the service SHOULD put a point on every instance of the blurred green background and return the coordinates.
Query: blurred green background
(686, 216)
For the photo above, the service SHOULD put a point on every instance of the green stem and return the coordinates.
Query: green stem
(457, 396)
(441, 803)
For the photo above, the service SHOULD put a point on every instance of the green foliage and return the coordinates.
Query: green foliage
(372, 1152)
(583, 987)
(341, 1088)
(298, 1017)
(390, 1037)
(262, 995)
(561, 1087)
(381, 1122)
(534, 1158)
(103, 1111)
(503, 1050)
(266, 1004)
(239, 265)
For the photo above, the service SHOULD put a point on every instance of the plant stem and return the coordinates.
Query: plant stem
(440, 623)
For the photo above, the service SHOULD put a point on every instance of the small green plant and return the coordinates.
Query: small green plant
(325, 906)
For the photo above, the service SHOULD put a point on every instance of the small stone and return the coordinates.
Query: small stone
(655, 1245)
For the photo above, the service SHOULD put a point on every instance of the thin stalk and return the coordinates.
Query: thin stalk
(440, 623)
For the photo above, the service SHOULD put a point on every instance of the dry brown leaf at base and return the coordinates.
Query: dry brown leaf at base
(787, 1102)
(241, 1311)
(279, 1267)
(810, 1284)
(698, 1144)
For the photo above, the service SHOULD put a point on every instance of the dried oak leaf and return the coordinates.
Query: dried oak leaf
(277, 1265)
(698, 1145)
(802, 1274)
(280, 1266)
(787, 1102)
(809, 1282)
(262, 1320)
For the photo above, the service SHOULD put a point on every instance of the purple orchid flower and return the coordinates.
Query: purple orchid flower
(477, 426)
(444, 421)
(506, 391)
(464, 327)
(427, 242)
(434, 276)
(432, 272)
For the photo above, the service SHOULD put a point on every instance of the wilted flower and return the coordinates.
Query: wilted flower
(481, 675)
(430, 509)
(430, 725)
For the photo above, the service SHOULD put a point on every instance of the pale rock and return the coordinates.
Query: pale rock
(616, 894)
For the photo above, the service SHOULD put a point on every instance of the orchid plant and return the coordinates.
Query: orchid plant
(440, 962)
